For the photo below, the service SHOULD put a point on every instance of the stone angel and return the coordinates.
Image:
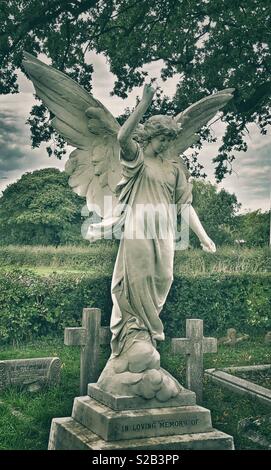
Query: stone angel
(134, 166)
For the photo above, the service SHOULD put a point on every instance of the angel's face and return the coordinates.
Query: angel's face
(159, 144)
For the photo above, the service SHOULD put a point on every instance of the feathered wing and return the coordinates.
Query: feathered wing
(195, 117)
(93, 167)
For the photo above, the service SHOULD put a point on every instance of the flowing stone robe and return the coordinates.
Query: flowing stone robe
(143, 271)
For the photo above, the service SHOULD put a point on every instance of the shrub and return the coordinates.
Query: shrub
(235, 300)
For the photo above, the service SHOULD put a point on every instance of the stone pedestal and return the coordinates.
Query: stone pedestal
(103, 422)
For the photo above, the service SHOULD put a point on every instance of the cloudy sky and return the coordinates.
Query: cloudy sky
(250, 180)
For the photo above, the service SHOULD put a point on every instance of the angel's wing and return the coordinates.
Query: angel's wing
(195, 117)
(84, 123)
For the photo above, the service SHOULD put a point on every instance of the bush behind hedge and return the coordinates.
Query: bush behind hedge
(33, 306)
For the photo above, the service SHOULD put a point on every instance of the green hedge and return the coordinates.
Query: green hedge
(223, 301)
(32, 306)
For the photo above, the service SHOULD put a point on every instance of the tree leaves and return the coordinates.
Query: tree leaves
(40, 208)
(212, 45)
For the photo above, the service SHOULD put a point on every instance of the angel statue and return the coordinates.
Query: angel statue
(137, 166)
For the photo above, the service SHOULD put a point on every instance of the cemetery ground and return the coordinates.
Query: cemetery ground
(25, 417)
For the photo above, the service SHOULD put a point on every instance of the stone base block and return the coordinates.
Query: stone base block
(114, 425)
(185, 398)
(67, 434)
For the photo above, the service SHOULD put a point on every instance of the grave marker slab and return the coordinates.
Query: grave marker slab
(238, 385)
(30, 373)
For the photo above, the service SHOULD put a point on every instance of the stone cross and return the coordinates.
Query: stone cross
(90, 336)
(194, 346)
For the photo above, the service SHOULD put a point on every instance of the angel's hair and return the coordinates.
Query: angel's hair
(154, 126)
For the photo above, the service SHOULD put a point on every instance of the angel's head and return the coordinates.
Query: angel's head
(157, 132)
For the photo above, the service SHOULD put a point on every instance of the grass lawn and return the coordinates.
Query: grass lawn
(25, 418)
(101, 256)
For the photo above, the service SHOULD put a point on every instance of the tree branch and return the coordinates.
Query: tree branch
(262, 92)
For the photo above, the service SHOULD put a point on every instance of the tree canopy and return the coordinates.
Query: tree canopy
(254, 228)
(217, 211)
(210, 44)
(40, 209)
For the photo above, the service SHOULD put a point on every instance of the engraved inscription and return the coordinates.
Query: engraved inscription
(174, 423)
(179, 423)
(42, 371)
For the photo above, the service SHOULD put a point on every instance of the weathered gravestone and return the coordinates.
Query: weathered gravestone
(232, 338)
(90, 336)
(194, 346)
(240, 385)
(30, 373)
(103, 421)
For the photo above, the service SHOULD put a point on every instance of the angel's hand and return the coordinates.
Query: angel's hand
(148, 92)
(208, 245)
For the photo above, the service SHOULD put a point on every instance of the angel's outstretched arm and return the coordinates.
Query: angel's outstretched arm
(195, 224)
(126, 142)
